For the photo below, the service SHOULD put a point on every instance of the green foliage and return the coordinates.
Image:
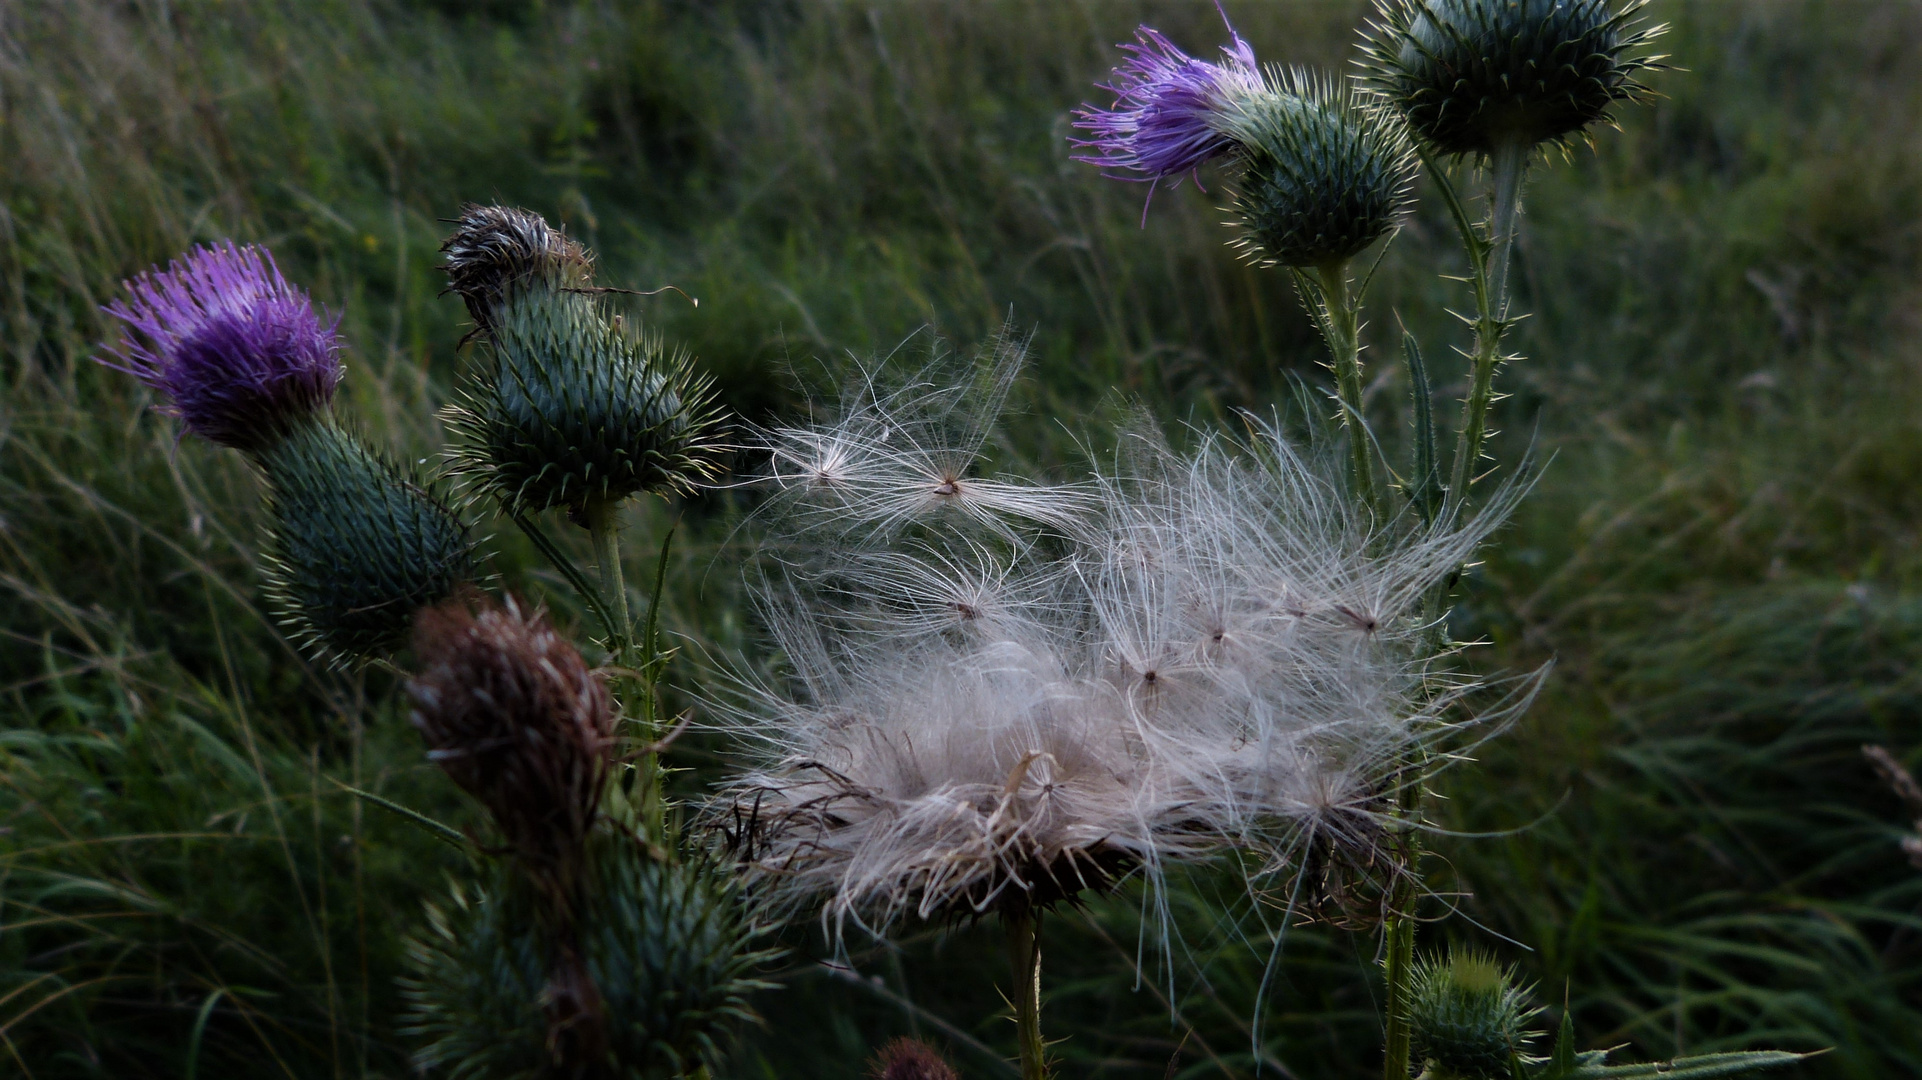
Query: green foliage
(661, 940)
(1722, 554)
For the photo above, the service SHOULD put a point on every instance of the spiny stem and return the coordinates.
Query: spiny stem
(1397, 961)
(1024, 958)
(1341, 315)
(1491, 259)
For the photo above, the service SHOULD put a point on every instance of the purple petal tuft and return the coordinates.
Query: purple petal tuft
(240, 354)
(1168, 108)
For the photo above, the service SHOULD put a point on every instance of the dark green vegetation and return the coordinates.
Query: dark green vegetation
(1722, 556)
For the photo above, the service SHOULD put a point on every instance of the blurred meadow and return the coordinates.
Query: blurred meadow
(1682, 842)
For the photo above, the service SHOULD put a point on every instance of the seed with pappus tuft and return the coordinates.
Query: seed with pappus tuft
(1467, 1017)
(357, 547)
(1321, 179)
(670, 946)
(513, 714)
(571, 408)
(239, 353)
(496, 252)
(1471, 75)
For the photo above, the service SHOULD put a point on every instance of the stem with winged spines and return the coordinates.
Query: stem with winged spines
(1490, 258)
(1023, 924)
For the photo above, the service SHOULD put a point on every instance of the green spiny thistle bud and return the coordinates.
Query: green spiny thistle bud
(1322, 178)
(571, 408)
(1473, 74)
(1467, 1018)
(669, 946)
(496, 252)
(357, 546)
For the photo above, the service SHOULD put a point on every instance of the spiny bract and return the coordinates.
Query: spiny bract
(1321, 179)
(1008, 701)
(669, 945)
(570, 408)
(1467, 1018)
(356, 546)
(1472, 74)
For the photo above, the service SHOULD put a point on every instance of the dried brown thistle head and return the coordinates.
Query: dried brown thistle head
(514, 716)
(496, 250)
(909, 1059)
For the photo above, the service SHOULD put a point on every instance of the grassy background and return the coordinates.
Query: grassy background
(1722, 556)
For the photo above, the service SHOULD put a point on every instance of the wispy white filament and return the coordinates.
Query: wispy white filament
(1016, 690)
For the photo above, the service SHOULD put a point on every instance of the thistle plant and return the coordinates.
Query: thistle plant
(357, 545)
(601, 945)
(1322, 173)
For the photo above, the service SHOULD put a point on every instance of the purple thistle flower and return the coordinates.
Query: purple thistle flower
(1169, 108)
(240, 354)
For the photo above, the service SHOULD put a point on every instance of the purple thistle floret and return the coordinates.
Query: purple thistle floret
(1169, 108)
(240, 354)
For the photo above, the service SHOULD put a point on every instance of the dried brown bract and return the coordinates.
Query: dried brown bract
(514, 716)
(497, 250)
(910, 1059)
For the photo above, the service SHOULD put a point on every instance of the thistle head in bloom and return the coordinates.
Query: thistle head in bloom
(910, 1059)
(239, 353)
(1197, 651)
(496, 252)
(1321, 179)
(512, 714)
(1170, 109)
(1467, 1018)
(356, 545)
(1472, 75)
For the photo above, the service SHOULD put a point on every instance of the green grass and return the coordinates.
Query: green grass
(1722, 555)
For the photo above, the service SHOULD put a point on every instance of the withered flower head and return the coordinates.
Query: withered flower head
(512, 713)
(496, 251)
(910, 1059)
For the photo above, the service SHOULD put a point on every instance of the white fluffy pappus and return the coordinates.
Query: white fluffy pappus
(1007, 702)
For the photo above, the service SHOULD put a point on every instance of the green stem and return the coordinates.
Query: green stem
(603, 526)
(1397, 961)
(1341, 321)
(1024, 958)
(1491, 259)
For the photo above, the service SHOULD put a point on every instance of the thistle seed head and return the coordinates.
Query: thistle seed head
(1467, 1017)
(357, 545)
(1170, 109)
(512, 714)
(498, 252)
(239, 353)
(1470, 75)
(1193, 651)
(571, 408)
(1321, 178)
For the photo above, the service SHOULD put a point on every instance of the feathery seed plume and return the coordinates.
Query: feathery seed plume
(239, 353)
(1197, 651)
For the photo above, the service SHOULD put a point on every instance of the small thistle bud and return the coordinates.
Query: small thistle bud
(239, 353)
(910, 1059)
(1467, 1017)
(668, 945)
(512, 714)
(571, 408)
(496, 252)
(356, 547)
(1170, 109)
(1321, 179)
(1473, 74)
